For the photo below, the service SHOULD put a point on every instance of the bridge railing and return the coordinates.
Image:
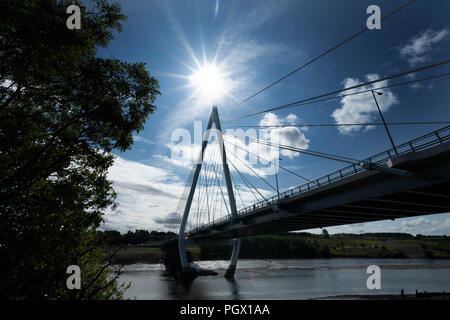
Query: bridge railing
(424, 142)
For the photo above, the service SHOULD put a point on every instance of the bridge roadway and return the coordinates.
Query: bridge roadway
(414, 182)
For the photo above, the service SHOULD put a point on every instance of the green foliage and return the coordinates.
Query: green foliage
(429, 254)
(62, 111)
(306, 245)
(264, 247)
(114, 238)
(323, 251)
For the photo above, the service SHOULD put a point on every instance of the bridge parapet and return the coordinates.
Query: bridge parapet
(386, 159)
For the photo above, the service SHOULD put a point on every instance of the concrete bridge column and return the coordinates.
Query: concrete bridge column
(186, 269)
(173, 264)
(234, 258)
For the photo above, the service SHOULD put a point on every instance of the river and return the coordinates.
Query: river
(290, 279)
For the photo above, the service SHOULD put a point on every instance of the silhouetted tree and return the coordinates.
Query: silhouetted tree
(323, 251)
(63, 110)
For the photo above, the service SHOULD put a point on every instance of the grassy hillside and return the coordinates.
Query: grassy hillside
(305, 245)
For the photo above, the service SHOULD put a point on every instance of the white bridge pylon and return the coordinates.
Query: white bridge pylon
(214, 119)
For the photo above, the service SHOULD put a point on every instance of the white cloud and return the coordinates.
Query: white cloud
(436, 224)
(249, 158)
(292, 119)
(183, 154)
(260, 15)
(289, 136)
(416, 222)
(153, 198)
(175, 162)
(433, 224)
(144, 193)
(142, 139)
(417, 86)
(126, 170)
(186, 155)
(270, 119)
(361, 108)
(170, 220)
(417, 50)
(410, 76)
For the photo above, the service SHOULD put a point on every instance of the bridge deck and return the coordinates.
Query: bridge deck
(353, 194)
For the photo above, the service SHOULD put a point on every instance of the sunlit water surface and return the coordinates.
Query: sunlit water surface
(290, 279)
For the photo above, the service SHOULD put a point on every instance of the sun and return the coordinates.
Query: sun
(210, 82)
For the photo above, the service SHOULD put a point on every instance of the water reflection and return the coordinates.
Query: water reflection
(234, 289)
(180, 289)
(291, 279)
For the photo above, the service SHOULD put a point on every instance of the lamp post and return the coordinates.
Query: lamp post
(276, 178)
(382, 119)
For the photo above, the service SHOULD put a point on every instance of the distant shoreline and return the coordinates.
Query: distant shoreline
(286, 246)
(401, 266)
(133, 255)
(421, 296)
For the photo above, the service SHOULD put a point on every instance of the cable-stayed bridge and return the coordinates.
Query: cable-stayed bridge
(410, 179)
(414, 181)
(222, 201)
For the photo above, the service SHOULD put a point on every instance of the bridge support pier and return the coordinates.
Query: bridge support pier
(234, 258)
(173, 263)
(185, 266)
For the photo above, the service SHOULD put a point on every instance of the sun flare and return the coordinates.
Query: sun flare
(209, 82)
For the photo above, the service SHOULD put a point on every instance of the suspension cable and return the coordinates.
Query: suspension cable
(302, 103)
(341, 90)
(237, 189)
(216, 194)
(305, 151)
(220, 186)
(252, 170)
(321, 55)
(279, 166)
(344, 124)
(247, 181)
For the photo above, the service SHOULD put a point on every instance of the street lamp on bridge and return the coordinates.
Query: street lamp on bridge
(276, 178)
(382, 119)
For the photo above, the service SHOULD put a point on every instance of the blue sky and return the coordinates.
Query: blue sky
(253, 43)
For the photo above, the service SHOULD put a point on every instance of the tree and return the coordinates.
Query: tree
(323, 251)
(63, 110)
(325, 234)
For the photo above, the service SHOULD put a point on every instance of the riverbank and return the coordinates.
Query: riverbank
(418, 296)
(133, 254)
(294, 247)
(290, 245)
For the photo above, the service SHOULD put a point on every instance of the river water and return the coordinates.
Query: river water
(290, 279)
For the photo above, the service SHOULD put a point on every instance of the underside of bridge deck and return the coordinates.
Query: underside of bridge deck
(364, 197)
